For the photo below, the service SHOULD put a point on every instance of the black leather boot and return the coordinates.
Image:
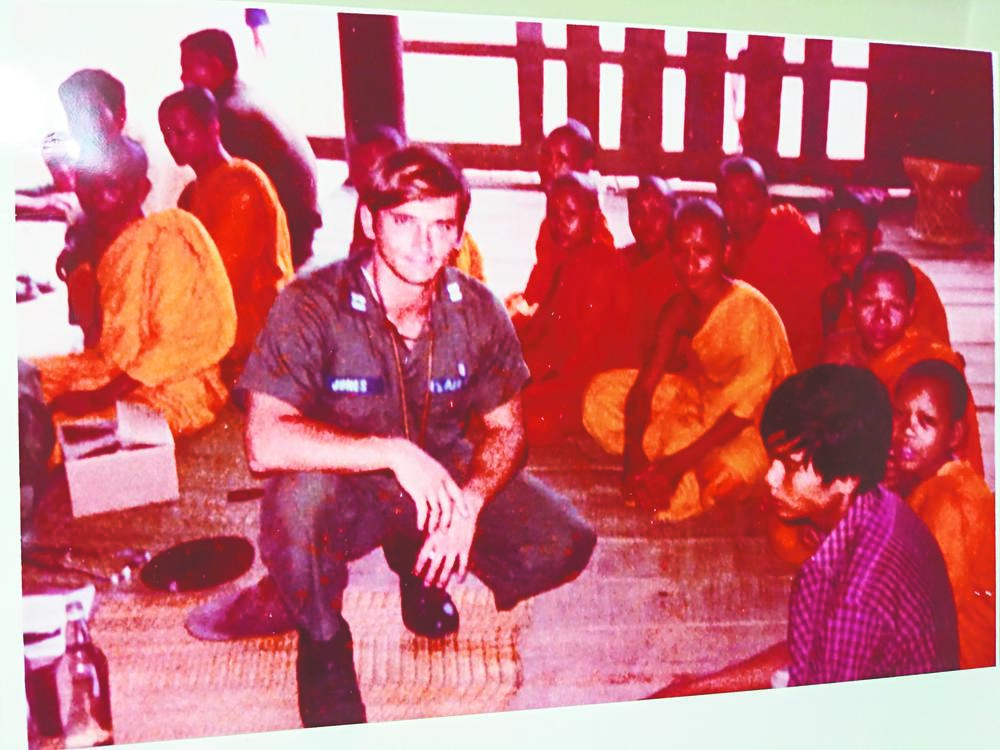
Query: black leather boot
(328, 684)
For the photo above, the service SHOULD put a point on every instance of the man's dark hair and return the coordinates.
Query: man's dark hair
(88, 82)
(414, 173)
(700, 208)
(839, 416)
(740, 164)
(885, 262)
(576, 182)
(197, 100)
(579, 134)
(214, 42)
(947, 375)
(847, 200)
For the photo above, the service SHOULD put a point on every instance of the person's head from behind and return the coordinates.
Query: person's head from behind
(208, 59)
(189, 120)
(827, 431)
(571, 210)
(742, 190)
(650, 212)
(366, 147)
(568, 148)
(883, 290)
(929, 404)
(94, 102)
(698, 237)
(414, 207)
(848, 230)
(111, 193)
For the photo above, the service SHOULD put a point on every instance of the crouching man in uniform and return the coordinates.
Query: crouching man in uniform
(360, 390)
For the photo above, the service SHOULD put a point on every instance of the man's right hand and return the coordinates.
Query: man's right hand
(432, 489)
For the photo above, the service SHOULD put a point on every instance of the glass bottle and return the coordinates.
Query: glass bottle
(83, 686)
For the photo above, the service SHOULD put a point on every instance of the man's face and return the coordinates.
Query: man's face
(187, 138)
(924, 434)
(198, 68)
(415, 239)
(696, 253)
(798, 492)
(846, 241)
(882, 311)
(559, 156)
(744, 202)
(570, 214)
(649, 217)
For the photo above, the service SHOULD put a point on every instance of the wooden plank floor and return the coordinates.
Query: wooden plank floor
(656, 600)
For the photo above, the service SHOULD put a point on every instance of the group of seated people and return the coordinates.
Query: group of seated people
(665, 351)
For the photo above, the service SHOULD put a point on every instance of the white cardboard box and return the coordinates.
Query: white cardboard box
(121, 463)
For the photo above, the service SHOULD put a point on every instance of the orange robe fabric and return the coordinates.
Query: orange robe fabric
(736, 359)
(549, 256)
(239, 207)
(784, 262)
(565, 341)
(647, 284)
(959, 509)
(928, 311)
(168, 319)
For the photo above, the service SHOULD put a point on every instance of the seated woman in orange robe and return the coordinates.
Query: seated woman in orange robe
(239, 207)
(686, 422)
(954, 501)
(849, 233)
(564, 340)
(773, 249)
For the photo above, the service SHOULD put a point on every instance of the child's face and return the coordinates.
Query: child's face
(745, 203)
(846, 241)
(924, 434)
(697, 253)
(558, 157)
(571, 217)
(882, 311)
(649, 217)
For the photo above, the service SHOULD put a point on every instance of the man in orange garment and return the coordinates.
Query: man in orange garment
(949, 496)
(165, 313)
(567, 149)
(649, 277)
(686, 422)
(773, 249)
(849, 232)
(565, 340)
(239, 207)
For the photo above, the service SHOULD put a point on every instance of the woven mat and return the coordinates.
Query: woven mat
(167, 685)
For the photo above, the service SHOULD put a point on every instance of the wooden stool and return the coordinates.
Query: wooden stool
(943, 216)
